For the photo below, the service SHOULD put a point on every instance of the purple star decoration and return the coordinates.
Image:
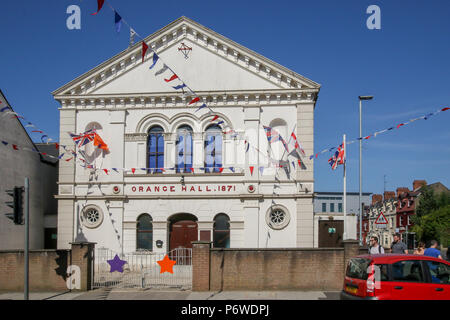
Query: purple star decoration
(116, 264)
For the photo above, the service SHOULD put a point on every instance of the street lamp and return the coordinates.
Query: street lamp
(360, 164)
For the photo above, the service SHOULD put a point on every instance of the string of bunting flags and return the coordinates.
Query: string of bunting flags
(374, 135)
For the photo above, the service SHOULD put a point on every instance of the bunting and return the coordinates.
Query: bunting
(144, 49)
(99, 6)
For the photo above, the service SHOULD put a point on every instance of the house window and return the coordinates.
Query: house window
(144, 232)
(213, 149)
(340, 207)
(400, 220)
(324, 207)
(184, 149)
(156, 149)
(221, 234)
(331, 207)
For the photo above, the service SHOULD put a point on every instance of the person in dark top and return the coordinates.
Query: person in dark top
(397, 246)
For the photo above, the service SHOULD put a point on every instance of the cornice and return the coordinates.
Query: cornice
(180, 29)
(251, 98)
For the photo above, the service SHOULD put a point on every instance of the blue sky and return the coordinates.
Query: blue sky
(405, 66)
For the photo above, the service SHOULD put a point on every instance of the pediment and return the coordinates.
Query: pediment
(215, 64)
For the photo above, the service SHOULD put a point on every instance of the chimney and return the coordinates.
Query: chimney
(389, 195)
(376, 198)
(401, 190)
(418, 183)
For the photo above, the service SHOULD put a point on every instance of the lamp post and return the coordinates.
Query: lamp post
(361, 98)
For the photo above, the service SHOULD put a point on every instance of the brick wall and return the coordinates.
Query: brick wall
(47, 270)
(270, 269)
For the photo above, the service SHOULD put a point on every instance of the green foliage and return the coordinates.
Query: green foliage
(426, 202)
(432, 219)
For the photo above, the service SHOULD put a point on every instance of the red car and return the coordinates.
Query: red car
(396, 277)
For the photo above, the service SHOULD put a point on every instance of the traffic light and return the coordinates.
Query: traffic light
(16, 204)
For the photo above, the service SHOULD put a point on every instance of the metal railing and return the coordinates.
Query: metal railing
(142, 269)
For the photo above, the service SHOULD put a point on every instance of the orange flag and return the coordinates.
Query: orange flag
(98, 142)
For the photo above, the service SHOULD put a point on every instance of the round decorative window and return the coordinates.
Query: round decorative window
(277, 217)
(92, 217)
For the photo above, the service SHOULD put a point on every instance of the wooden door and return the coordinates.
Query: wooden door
(182, 234)
(330, 233)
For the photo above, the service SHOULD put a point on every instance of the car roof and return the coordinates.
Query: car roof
(391, 257)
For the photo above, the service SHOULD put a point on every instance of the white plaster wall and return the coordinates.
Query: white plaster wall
(214, 74)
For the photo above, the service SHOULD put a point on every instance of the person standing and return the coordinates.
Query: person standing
(397, 246)
(432, 251)
(420, 248)
(375, 248)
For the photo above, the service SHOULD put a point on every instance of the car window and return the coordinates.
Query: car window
(408, 271)
(357, 268)
(384, 275)
(440, 272)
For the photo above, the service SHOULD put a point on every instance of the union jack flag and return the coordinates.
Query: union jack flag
(274, 136)
(338, 158)
(84, 138)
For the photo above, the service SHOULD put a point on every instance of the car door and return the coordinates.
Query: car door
(409, 281)
(439, 279)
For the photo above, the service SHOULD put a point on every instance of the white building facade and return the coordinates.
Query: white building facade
(143, 193)
(388, 209)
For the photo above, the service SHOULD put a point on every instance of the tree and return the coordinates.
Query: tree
(432, 219)
(426, 201)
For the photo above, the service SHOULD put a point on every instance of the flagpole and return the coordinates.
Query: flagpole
(344, 237)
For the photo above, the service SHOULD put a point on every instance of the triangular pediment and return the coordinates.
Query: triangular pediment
(214, 64)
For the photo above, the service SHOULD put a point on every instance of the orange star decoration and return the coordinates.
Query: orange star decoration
(166, 264)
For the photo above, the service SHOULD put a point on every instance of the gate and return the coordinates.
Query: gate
(142, 270)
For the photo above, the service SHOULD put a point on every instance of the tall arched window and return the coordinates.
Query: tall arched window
(280, 126)
(221, 233)
(144, 232)
(90, 152)
(156, 149)
(184, 149)
(213, 148)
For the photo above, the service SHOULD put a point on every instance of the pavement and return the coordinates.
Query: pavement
(173, 294)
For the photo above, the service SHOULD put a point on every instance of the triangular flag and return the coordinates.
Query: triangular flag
(144, 50)
(445, 109)
(201, 107)
(132, 34)
(133, 170)
(232, 169)
(117, 21)
(181, 86)
(215, 118)
(196, 99)
(155, 59)
(15, 147)
(220, 170)
(251, 170)
(401, 124)
(261, 170)
(99, 6)
(106, 171)
(162, 70)
(171, 78)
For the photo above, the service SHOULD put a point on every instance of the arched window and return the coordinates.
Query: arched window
(213, 148)
(144, 232)
(156, 149)
(280, 126)
(184, 149)
(221, 233)
(89, 151)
